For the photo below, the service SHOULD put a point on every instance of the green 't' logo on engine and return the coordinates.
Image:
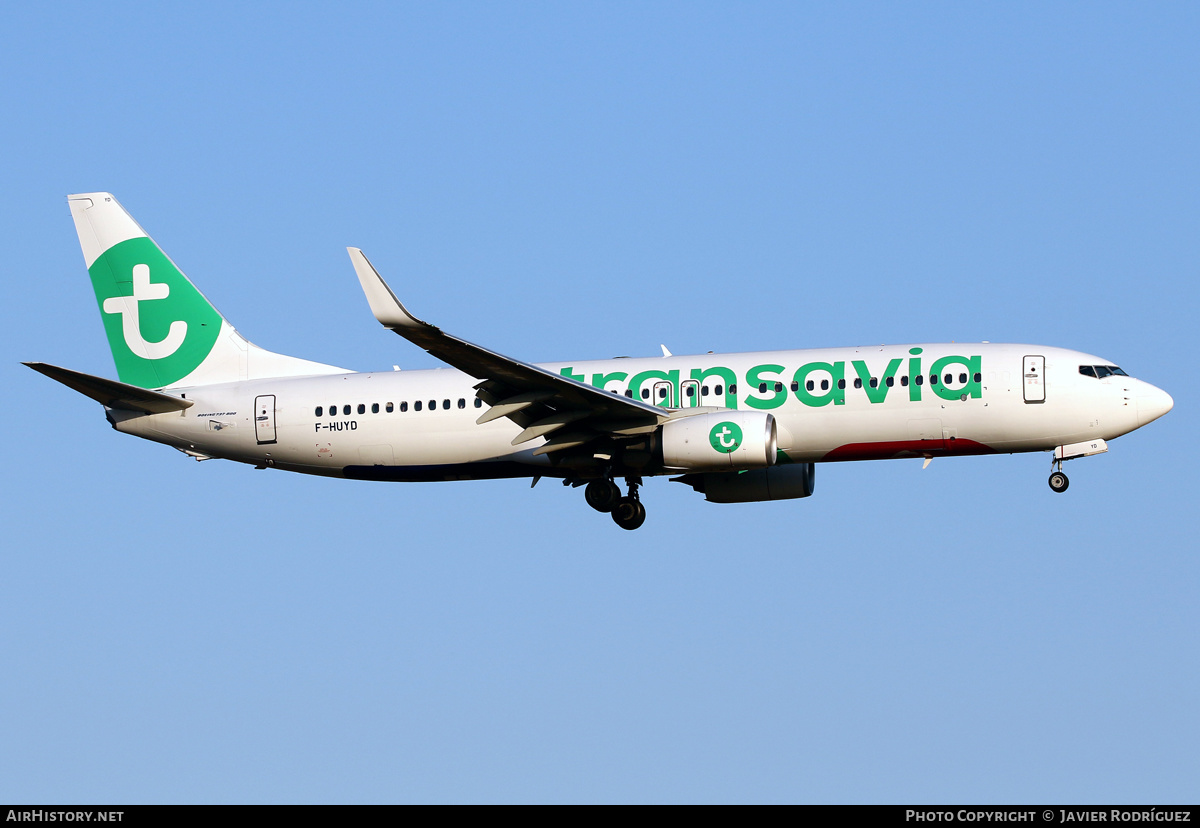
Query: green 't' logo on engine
(725, 437)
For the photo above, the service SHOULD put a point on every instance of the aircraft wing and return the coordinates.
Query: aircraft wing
(542, 402)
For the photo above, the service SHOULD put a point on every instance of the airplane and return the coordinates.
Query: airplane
(737, 428)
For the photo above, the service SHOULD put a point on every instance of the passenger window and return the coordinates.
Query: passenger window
(778, 387)
(362, 409)
(462, 402)
(446, 405)
(346, 410)
(962, 378)
(662, 393)
(732, 389)
(841, 385)
(629, 393)
(978, 377)
(949, 378)
(920, 380)
(417, 405)
(645, 393)
(810, 385)
(704, 391)
(318, 411)
(890, 381)
(478, 403)
(824, 385)
(333, 411)
(858, 382)
(795, 386)
(390, 407)
(904, 382)
(762, 388)
(691, 391)
(717, 389)
(433, 405)
(874, 382)
(404, 406)
(933, 379)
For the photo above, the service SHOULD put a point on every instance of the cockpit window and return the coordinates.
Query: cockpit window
(1101, 371)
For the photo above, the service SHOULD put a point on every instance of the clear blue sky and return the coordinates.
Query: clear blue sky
(574, 180)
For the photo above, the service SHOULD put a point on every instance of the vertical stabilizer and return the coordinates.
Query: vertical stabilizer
(162, 331)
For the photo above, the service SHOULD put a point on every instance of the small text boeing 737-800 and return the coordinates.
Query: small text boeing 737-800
(735, 427)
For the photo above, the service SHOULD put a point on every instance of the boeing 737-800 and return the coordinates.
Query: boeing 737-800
(736, 427)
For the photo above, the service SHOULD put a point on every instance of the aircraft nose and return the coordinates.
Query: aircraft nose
(1152, 403)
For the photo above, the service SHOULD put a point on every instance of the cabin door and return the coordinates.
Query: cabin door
(264, 419)
(1034, 374)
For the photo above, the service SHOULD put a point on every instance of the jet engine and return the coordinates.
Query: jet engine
(720, 441)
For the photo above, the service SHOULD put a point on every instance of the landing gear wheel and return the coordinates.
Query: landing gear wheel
(602, 495)
(629, 513)
(1059, 482)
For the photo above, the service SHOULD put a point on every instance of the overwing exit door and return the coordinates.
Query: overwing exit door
(264, 419)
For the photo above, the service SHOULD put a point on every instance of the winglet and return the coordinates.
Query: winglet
(384, 304)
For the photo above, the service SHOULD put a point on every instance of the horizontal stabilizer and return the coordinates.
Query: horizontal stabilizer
(112, 393)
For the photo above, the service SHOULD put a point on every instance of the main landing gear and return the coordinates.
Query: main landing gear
(1058, 480)
(604, 496)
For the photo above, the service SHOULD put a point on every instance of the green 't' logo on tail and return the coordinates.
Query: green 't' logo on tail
(160, 328)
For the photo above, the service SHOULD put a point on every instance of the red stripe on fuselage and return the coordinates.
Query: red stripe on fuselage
(907, 448)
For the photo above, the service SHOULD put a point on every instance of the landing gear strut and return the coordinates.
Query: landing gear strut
(1058, 480)
(628, 512)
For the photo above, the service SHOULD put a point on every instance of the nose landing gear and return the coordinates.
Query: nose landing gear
(1058, 480)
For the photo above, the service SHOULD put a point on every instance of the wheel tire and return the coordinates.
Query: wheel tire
(1059, 482)
(641, 515)
(629, 513)
(602, 495)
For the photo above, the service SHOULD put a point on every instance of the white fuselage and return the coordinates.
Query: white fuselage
(996, 400)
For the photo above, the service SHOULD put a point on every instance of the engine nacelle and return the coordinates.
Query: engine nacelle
(720, 441)
(777, 483)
